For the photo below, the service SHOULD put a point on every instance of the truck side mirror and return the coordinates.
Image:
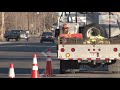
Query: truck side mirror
(57, 32)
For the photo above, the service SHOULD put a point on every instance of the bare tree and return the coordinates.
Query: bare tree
(37, 22)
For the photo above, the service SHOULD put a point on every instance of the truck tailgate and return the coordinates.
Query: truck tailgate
(89, 52)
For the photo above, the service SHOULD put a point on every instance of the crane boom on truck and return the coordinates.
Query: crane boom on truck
(83, 44)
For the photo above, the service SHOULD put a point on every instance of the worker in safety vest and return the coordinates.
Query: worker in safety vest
(65, 29)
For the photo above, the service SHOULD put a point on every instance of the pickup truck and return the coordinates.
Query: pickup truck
(16, 34)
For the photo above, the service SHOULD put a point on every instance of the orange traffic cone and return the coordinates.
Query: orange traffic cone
(35, 73)
(49, 71)
(11, 71)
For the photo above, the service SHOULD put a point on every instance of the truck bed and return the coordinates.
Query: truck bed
(80, 41)
(89, 51)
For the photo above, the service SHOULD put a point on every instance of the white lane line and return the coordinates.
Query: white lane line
(18, 57)
(25, 45)
(44, 54)
(6, 42)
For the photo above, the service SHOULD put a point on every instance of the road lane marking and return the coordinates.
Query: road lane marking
(22, 57)
(25, 45)
(6, 42)
(44, 54)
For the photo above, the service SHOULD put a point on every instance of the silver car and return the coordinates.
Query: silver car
(25, 35)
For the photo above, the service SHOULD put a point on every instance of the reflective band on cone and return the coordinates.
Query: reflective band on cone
(49, 59)
(35, 68)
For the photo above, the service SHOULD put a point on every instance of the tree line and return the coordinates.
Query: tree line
(36, 22)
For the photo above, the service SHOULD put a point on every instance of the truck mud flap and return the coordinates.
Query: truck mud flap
(65, 65)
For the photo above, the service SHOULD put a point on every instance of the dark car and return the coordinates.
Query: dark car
(15, 34)
(47, 37)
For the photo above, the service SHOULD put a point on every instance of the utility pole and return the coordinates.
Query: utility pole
(44, 21)
(76, 17)
(28, 20)
(3, 26)
(16, 19)
(109, 25)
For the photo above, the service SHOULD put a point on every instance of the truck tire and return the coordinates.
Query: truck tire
(27, 39)
(41, 41)
(93, 30)
(115, 67)
(17, 39)
(7, 39)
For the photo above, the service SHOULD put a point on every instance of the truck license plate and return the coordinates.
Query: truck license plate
(94, 54)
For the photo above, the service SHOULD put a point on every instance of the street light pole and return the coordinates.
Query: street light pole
(44, 20)
(16, 20)
(36, 21)
(109, 25)
(28, 20)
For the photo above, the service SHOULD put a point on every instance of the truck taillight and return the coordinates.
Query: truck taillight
(99, 49)
(72, 49)
(115, 49)
(93, 49)
(62, 49)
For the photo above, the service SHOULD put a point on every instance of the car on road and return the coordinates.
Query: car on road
(16, 34)
(24, 35)
(47, 37)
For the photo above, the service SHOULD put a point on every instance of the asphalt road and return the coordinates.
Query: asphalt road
(21, 55)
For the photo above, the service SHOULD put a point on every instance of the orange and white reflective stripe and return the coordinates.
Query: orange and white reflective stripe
(35, 68)
(34, 60)
(49, 59)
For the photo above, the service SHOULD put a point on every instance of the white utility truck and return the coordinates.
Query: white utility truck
(88, 40)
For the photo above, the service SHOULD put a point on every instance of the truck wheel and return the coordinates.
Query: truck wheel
(53, 41)
(7, 39)
(115, 67)
(41, 41)
(93, 30)
(27, 39)
(17, 39)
